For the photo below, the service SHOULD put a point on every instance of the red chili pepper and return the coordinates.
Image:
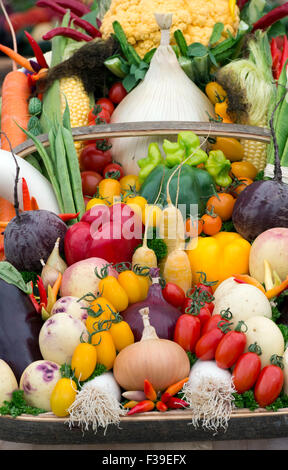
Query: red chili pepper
(88, 27)
(75, 6)
(37, 51)
(142, 407)
(241, 3)
(42, 292)
(26, 196)
(34, 204)
(175, 403)
(173, 389)
(67, 217)
(284, 54)
(270, 18)
(161, 406)
(68, 33)
(34, 301)
(149, 391)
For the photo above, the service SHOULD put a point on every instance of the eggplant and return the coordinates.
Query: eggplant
(263, 204)
(31, 236)
(20, 326)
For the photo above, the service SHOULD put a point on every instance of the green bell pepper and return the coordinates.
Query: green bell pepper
(187, 144)
(195, 186)
(147, 164)
(218, 166)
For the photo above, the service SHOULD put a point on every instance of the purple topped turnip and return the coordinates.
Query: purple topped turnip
(263, 204)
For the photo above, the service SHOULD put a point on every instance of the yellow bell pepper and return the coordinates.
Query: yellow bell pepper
(219, 257)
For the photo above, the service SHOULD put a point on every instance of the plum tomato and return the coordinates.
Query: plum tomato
(269, 385)
(93, 159)
(98, 115)
(107, 104)
(117, 92)
(90, 181)
(173, 294)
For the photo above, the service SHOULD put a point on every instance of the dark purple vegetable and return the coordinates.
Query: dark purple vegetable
(163, 316)
(30, 237)
(19, 329)
(263, 204)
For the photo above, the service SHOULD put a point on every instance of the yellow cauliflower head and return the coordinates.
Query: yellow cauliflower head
(195, 18)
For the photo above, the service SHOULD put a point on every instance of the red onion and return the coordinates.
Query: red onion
(163, 316)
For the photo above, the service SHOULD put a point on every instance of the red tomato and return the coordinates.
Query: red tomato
(90, 181)
(93, 159)
(117, 92)
(187, 331)
(246, 371)
(107, 104)
(113, 170)
(206, 346)
(173, 294)
(230, 348)
(269, 385)
(213, 323)
(98, 115)
(204, 313)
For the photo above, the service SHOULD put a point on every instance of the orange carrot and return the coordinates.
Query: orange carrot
(15, 96)
(7, 212)
(19, 59)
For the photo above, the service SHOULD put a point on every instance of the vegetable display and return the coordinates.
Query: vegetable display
(145, 272)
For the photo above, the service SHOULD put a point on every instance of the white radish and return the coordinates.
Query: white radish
(39, 186)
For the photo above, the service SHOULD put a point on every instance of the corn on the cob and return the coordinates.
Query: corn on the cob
(78, 101)
(255, 152)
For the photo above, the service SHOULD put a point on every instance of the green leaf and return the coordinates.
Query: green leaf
(216, 33)
(18, 406)
(212, 58)
(12, 276)
(197, 50)
(129, 82)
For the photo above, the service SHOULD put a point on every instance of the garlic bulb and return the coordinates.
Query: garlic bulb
(165, 94)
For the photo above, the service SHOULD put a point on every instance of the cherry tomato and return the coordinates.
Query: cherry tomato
(113, 170)
(173, 294)
(244, 182)
(212, 224)
(193, 227)
(244, 169)
(93, 159)
(246, 371)
(222, 204)
(98, 115)
(187, 331)
(107, 104)
(90, 182)
(269, 385)
(117, 92)
(230, 348)
(206, 346)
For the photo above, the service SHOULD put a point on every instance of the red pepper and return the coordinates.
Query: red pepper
(34, 204)
(241, 3)
(67, 217)
(270, 18)
(175, 403)
(142, 407)
(34, 301)
(26, 196)
(68, 33)
(161, 406)
(149, 391)
(284, 54)
(42, 292)
(88, 27)
(76, 7)
(37, 51)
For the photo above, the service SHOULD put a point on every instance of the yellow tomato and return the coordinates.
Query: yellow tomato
(215, 92)
(62, 396)
(221, 109)
(99, 311)
(95, 201)
(122, 335)
(152, 215)
(244, 169)
(232, 148)
(84, 360)
(105, 347)
(112, 290)
(130, 283)
(130, 182)
(110, 190)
